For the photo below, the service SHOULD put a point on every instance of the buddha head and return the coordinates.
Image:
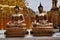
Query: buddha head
(16, 8)
(40, 8)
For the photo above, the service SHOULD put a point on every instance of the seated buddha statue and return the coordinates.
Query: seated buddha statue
(17, 19)
(40, 26)
(41, 17)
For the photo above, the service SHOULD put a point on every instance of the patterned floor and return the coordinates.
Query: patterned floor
(34, 38)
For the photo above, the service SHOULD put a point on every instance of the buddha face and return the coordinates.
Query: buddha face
(16, 10)
(41, 10)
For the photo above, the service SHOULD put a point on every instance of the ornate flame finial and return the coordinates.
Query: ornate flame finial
(54, 3)
(40, 5)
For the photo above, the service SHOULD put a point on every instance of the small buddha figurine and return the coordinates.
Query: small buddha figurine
(17, 19)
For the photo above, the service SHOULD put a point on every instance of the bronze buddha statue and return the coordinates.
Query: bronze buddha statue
(17, 19)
